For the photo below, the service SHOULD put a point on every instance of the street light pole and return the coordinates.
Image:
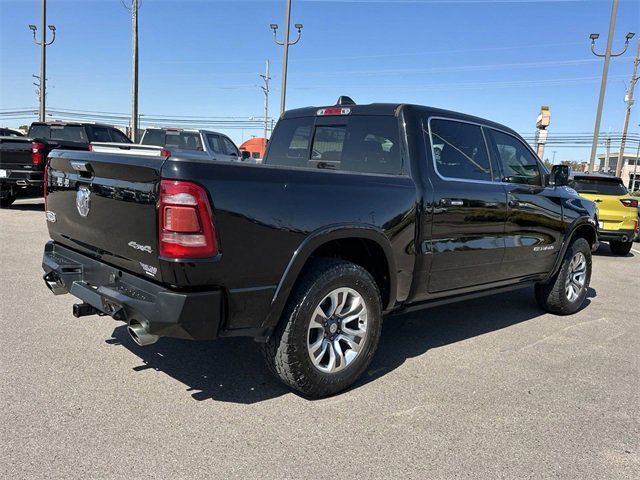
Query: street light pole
(286, 44)
(629, 101)
(43, 56)
(605, 71)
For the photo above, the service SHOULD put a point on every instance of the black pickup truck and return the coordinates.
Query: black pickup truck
(22, 159)
(357, 212)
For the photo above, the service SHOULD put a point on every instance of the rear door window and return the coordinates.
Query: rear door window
(366, 144)
(599, 186)
(100, 134)
(215, 143)
(459, 150)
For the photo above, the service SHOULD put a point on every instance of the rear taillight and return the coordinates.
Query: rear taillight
(185, 221)
(37, 153)
(165, 153)
(630, 202)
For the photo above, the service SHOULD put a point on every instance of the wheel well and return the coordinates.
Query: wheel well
(361, 251)
(587, 232)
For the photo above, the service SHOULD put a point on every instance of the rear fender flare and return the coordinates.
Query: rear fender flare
(310, 245)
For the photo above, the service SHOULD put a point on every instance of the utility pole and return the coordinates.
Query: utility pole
(43, 56)
(629, 100)
(607, 160)
(605, 71)
(286, 44)
(553, 160)
(635, 167)
(134, 79)
(134, 63)
(265, 89)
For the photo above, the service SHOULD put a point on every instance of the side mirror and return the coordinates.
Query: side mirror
(245, 155)
(559, 175)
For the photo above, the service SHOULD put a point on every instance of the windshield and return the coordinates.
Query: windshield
(173, 139)
(599, 186)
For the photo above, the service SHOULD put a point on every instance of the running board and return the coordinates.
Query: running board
(459, 298)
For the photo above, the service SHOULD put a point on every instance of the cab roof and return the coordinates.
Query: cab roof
(393, 109)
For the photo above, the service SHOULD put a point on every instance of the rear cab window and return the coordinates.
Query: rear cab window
(352, 143)
(600, 186)
(177, 139)
(68, 133)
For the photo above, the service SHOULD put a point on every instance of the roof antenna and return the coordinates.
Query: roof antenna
(344, 100)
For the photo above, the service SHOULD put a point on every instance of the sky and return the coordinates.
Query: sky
(496, 59)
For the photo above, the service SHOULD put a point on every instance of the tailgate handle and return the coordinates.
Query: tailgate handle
(84, 168)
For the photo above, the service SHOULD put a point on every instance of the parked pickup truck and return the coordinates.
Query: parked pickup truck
(351, 217)
(22, 159)
(202, 144)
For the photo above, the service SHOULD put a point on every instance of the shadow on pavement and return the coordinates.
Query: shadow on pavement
(27, 207)
(232, 369)
(605, 251)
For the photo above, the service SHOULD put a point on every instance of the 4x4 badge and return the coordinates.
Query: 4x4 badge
(83, 201)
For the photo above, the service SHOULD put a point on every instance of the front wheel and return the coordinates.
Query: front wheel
(620, 248)
(565, 293)
(329, 331)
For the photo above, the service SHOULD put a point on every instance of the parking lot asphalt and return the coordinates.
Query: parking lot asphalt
(488, 388)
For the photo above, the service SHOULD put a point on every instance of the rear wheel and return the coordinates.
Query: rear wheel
(329, 331)
(7, 201)
(620, 248)
(565, 293)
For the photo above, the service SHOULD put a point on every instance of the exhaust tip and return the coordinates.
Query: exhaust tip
(140, 335)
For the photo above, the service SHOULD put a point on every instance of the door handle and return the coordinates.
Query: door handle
(598, 200)
(513, 203)
(450, 202)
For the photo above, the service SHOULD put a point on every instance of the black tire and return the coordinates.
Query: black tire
(552, 296)
(620, 248)
(7, 201)
(286, 351)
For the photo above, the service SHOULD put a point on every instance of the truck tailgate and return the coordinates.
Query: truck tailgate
(104, 205)
(15, 152)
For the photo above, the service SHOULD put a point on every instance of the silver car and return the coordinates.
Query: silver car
(201, 143)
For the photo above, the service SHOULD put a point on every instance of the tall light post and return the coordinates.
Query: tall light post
(43, 56)
(286, 44)
(627, 114)
(605, 70)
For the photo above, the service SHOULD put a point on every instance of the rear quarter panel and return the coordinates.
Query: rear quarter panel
(264, 214)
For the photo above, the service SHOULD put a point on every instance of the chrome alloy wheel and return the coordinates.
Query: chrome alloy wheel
(337, 331)
(576, 277)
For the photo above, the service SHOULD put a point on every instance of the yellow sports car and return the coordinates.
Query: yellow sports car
(617, 210)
